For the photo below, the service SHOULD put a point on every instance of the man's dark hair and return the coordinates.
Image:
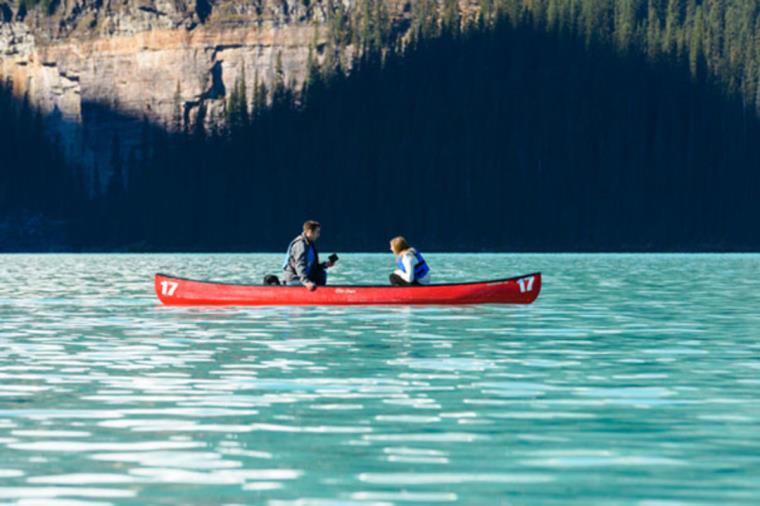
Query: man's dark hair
(311, 225)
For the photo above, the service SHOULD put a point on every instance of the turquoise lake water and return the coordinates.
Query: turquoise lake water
(634, 379)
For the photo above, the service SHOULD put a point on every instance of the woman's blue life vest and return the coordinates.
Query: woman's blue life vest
(421, 268)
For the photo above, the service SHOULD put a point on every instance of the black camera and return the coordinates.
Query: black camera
(333, 258)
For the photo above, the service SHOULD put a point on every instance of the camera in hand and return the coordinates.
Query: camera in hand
(333, 258)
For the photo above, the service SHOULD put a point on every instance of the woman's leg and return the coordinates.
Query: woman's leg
(397, 280)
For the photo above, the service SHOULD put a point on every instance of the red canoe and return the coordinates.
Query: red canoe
(175, 291)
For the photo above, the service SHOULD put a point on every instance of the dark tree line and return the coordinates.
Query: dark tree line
(33, 175)
(498, 137)
(558, 125)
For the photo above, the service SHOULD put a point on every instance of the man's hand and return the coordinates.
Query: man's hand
(310, 286)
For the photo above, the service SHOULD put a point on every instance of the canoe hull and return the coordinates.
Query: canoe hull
(174, 291)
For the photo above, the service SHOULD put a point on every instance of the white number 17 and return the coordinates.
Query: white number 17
(168, 288)
(526, 284)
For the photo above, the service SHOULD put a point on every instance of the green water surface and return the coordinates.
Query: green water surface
(634, 379)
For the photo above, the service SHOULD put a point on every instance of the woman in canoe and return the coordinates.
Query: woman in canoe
(412, 269)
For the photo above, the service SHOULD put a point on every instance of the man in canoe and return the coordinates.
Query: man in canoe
(412, 267)
(302, 265)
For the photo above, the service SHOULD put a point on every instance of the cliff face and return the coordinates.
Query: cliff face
(156, 59)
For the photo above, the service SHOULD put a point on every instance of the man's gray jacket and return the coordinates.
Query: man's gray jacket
(301, 261)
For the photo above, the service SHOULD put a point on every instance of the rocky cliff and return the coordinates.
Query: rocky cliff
(99, 67)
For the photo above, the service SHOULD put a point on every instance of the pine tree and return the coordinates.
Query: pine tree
(696, 44)
(670, 37)
(756, 76)
(96, 185)
(199, 127)
(260, 97)
(259, 101)
(132, 169)
(237, 117)
(279, 91)
(552, 15)
(425, 19)
(653, 29)
(178, 123)
(365, 25)
(450, 19)
(330, 64)
(313, 84)
(624, 24)
(713, 37)
(380, 26)
(244, 116)
(116, 183)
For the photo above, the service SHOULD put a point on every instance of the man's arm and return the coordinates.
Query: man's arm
(301, 261)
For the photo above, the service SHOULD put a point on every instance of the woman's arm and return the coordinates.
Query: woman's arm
(408, 259)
